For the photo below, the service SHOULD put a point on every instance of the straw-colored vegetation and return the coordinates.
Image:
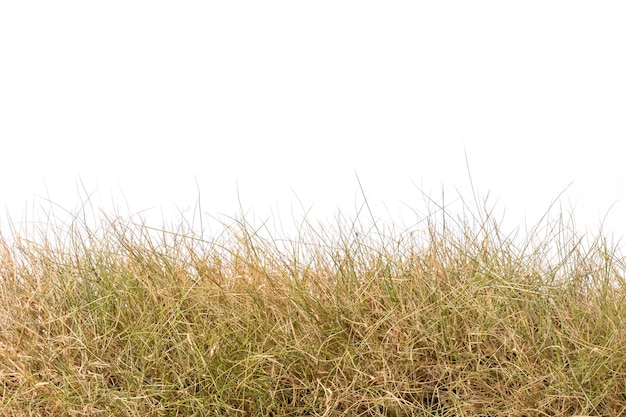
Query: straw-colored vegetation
(450, 318)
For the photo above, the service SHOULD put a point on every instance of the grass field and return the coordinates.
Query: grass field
(450, 318)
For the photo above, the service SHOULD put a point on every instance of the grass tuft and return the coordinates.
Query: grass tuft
(454, 318)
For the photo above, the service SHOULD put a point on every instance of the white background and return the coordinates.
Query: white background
(136, 102)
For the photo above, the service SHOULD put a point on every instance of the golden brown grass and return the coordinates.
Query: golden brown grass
(452, 318)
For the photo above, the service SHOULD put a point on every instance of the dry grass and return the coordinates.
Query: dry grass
(451, 319)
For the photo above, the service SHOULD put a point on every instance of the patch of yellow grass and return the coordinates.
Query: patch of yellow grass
(455, 319)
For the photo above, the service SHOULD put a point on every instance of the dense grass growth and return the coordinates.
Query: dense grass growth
(450, 318)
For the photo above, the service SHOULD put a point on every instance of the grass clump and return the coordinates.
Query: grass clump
(453, 318)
